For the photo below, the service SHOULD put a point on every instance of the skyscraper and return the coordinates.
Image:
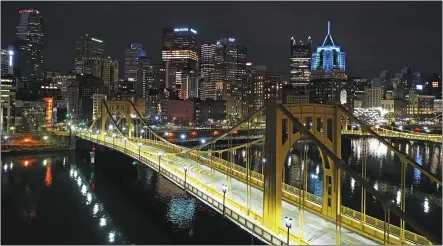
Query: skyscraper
(131, 61)
(180, 51)
(145, 77)
(207, 68)
(110, 74)
(329, 83)
(29, 46)
(89, 51)
(8, 60)
(300, 62)
(329, 56)
(230, 69)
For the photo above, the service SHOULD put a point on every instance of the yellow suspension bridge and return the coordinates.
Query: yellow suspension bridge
(262, 203)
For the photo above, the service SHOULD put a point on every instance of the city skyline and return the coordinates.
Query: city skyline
(367, 53)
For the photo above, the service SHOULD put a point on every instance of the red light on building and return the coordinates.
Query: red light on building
(235, 131)
(93, 186)
(93, 148)
(216, 133)
(194, 133)
(171, 134)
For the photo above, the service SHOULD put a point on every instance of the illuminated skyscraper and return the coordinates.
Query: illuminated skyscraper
(8, 60)
(89, 51)
(131, 61)
(230, 73)
(329, 56)
(300, 62)
(29, 46)
(207, 68)
(180, 51)
(329, 83)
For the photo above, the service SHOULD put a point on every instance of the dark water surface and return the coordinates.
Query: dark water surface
(60, 198)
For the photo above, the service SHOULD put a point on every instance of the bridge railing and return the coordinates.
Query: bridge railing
(372, 226)
(233, 210)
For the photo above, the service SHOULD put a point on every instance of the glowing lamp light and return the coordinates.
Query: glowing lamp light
(182, 136)
(203, 141)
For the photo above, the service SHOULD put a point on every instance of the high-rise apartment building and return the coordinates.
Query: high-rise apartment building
(89, 52)
(179, 52)
(97, 100)
(230, 70)
(8, 91)
(300, 62)
(132, 56)
(29, 46)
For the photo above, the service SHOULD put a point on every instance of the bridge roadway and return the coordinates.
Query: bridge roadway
(317, 230)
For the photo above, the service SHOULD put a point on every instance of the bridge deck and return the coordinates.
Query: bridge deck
(317, 230)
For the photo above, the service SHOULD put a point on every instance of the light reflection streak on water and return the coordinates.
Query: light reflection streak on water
(97, 210)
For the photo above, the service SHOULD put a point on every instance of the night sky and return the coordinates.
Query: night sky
(375, 35)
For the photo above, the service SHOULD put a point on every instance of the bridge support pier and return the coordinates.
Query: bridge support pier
(272, 209)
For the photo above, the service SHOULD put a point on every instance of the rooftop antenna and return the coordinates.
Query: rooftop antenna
(329, 28)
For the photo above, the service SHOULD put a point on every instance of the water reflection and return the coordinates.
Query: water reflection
(181, 211)
(97, 210)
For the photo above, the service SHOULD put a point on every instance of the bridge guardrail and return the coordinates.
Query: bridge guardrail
(238, 218)
(288, 189)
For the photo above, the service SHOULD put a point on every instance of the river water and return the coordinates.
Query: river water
(61, 198)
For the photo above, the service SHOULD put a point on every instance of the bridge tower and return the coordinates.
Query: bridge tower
(324, 122)
(110, 107)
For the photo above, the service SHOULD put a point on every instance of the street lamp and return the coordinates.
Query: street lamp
(159, 159)
(139, 147)
(186, 170)
(45, 137)
(376, 127)
(125, 143)
(98, 132)
(113, 136)
(90, 132)
(224, 188)
(142, 131)
(288, 223)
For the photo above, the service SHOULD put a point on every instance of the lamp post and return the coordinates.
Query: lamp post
(113, 136)
(186, 170)
(90, 132)
(139, 147)
(224, 188)
(98, 132)
(376, 127)
(288, 223)
(159, 159)
(125, 143)
(142, 131)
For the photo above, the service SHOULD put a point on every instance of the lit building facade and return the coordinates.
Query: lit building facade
(329, 56)
(88, 49)
(300, 62)
(132, 56)
(372, 98)
(97, 100)
(7, 60)
(8, 91)
(329, 82)
(179, 52)
(207, 68)
(110, 74)
(29, 46)
(230, 68)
